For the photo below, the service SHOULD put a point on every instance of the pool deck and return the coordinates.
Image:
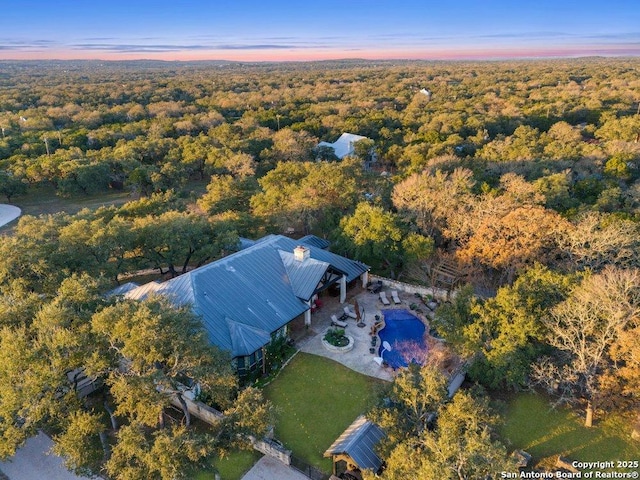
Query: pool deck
(360, 359)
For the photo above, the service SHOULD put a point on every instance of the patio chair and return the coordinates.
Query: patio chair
(384, 299)
(350, 313)
(338, 323)
(394, 296)
(375, 287)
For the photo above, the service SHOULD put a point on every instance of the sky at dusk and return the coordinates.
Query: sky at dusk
(274, 30)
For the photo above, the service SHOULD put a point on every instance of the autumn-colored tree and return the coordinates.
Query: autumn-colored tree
(428, 199)
(523, 236)
(596, 240)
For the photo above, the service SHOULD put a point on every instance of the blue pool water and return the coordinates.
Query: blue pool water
(405, 333)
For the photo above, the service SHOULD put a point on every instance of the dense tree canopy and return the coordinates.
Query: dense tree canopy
(430, 437)
(145, 353)
(527, 174)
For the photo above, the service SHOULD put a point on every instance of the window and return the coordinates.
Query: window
(249, 363)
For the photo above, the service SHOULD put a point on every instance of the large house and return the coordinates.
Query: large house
(248, 298)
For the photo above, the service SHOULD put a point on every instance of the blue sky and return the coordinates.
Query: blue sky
(301, 30)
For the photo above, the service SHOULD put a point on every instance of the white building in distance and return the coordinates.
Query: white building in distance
(345, 145)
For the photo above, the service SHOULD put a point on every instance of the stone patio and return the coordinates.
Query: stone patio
(360, 359)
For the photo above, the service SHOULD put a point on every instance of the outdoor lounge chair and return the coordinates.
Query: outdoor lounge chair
(338, 323)
(394, 296)
(384, 299)
(350, 313)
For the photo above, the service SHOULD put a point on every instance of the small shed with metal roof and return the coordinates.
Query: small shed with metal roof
(355, 449)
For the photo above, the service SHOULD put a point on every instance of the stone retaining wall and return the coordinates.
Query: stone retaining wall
(439, 293)
(199, 410)
(274, 449)
(268, 446)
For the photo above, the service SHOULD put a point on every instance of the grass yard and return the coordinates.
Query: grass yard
(316, 400)
(43, 200)
(232, 467)
(532, 425)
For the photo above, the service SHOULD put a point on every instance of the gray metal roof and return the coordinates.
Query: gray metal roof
(304, 276)
(359, 441)
(245, 243)
(122, 289)
(244, 337)
(250, 293)
(314, 241)
(143, 291)
(351, 268)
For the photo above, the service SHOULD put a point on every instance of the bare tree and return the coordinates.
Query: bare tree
(598, 239)
(582, 329)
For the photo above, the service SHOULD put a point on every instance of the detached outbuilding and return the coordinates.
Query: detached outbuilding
(355, 450)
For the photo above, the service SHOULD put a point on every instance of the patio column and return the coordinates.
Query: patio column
(343, 289)
(307, 314)
(365, 279)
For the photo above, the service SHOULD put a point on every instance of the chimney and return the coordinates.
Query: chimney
(301, 253)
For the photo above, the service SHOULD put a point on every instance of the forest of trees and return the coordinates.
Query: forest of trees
(525, 175)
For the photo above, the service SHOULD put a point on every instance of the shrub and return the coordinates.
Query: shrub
(336, 337)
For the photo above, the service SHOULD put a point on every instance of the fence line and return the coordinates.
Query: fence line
(308, 470)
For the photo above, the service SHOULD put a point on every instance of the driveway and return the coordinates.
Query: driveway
(268, 468)
(34, 460)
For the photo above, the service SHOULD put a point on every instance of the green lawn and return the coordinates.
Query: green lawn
(232, 467)
(316, 400)
(43, 199)
(532, 425)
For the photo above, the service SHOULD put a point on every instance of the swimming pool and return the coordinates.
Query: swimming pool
(405, 333)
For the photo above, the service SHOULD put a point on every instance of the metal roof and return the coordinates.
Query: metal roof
(122, 289)
(359, 441)
(314, 241)
(250, 293)
(244, 337)
(351, 268)
(344, 145)
(304, 276)
(143, 291)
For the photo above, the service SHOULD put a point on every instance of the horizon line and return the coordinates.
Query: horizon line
(439, 58)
